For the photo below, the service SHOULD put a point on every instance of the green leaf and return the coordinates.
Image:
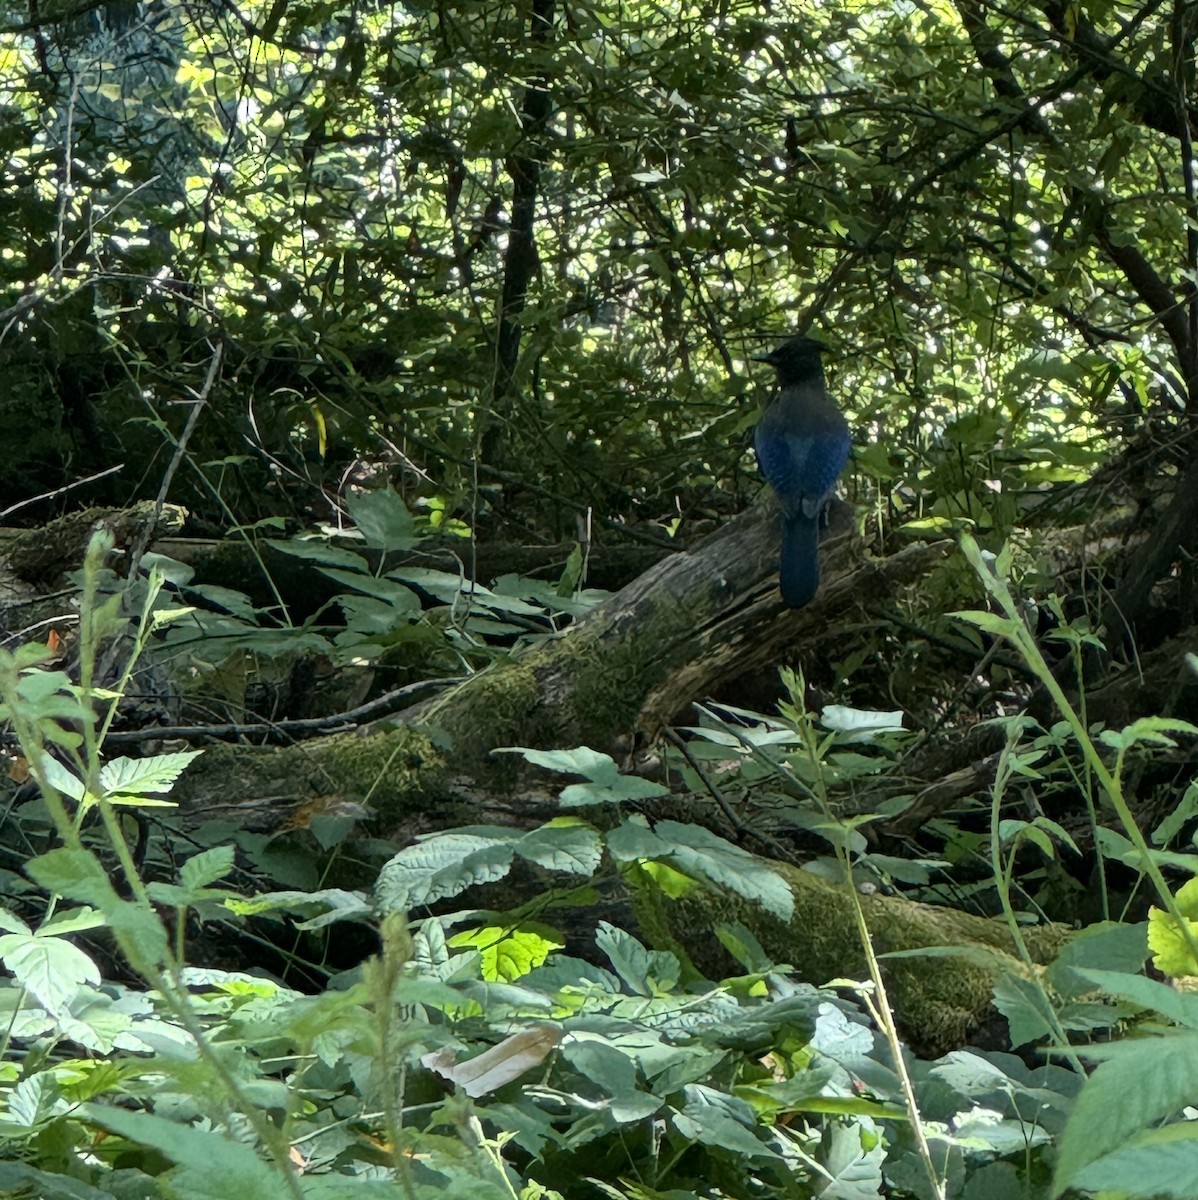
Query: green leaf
(212, 1167)
(707, 1126)
(564, 844)
(598, 768)
(633, 839)
(1155, 731)
(316, 550)
(52, 969)
(1106, 946)
(859, 724)
(74, 921)
(1183, 812)
(698, 851)
(613, 1071)
(607, 785)
(988, 621)
(395, 596)
(510, 952)
(646, 972)
(18, 1177)
(1160, 1163)
(75, 874)
(59, 778)
(444, 865)
(624, 787)
(383, 519)
(740, 942)
(1171, 953)
(206, 867)
(1140, 1084)
(144, 776)
(1145, 993)
(1029, 1014)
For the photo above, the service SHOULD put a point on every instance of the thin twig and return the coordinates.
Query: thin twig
(7, 512)
(334, 722)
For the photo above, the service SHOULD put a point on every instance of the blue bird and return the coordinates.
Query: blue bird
(802, 443)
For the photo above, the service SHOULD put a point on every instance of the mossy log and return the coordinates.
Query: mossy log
(940, 1001)
(670, 637)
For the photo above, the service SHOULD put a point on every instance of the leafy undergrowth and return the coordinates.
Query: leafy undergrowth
(471, 1054)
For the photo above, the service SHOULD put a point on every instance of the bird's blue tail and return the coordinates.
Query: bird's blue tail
(798, 575)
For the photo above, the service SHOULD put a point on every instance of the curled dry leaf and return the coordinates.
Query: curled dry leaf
(497, 1066)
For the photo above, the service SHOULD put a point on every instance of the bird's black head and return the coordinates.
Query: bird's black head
(796, 361)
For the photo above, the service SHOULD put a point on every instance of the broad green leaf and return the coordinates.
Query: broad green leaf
(383, 519)
(19, 1177)
(1159, 1163)
(1029, 1013)
(990, 622)
(76, 874)
(316, 550)
(52, 969)
(59, 778)
(142, 776)
(443, 865)
(206, 867)
(1149, 994)
(698, 851)
(598, 768)
(74, 921)
(1107, 946)
(564, 844)
(510, 952)
(1140, 1084)
(706, 1126)
(211, 1167)
(860, 724)
(646, 972)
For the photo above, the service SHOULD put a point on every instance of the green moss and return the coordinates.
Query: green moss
(496, 707)
(613, 675)
(939, 1002)
(395, 772)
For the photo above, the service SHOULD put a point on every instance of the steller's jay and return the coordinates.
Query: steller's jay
(802, 443)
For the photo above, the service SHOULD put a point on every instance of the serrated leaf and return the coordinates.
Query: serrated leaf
(443, 865)
(698, 851)
(53, 970)
(510, 952)
(211, 1167)
(1140, 1084)
(143, 776)
(206, 867)
(565, 844)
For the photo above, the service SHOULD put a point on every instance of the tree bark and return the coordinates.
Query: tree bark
(672, 636)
